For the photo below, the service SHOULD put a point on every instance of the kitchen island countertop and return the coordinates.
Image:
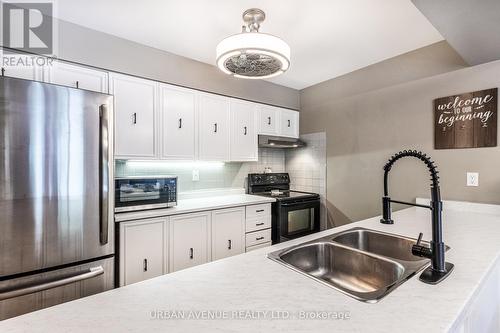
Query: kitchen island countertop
(265, 296)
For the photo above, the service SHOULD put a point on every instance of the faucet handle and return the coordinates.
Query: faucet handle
(419, 250)
(420, 235)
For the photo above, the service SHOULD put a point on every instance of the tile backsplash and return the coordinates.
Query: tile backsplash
(211, 174)
(307, 168)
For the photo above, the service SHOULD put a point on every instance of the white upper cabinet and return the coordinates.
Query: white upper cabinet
(278, 121)
(20, 66)
(135, 116)
(178, 122)
(243, 131)
(77, 77)
(214, 127)
(290, 123)
(269, 120)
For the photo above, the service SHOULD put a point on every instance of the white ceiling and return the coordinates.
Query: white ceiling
(328, 38)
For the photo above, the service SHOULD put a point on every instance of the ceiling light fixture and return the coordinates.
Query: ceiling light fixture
(252, 54)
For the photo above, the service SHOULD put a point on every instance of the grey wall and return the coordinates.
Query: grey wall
(91, 47)
(470, 26)
(365, 127)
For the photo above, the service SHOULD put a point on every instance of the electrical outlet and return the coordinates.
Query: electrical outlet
(472, 179)
(196, 175)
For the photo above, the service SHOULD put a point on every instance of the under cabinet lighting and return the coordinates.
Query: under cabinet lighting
(175, 164)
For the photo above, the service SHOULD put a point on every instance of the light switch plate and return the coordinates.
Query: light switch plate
(472, 178)
(196, 175)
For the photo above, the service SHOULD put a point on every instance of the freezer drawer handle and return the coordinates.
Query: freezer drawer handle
(50, 283)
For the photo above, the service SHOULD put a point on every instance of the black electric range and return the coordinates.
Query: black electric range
(294, 214)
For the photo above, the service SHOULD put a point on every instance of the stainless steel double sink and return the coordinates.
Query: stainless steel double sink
(362, 263)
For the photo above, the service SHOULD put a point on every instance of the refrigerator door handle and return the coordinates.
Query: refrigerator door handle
(103, 173)
(50, 283)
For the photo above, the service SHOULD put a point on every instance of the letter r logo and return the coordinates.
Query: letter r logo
(28, 26)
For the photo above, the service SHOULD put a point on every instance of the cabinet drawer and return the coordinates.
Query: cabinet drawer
(258, 211)
(258, 237)
(258, 223)
(258, 246)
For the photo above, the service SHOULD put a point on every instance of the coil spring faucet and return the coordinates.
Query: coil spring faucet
(439, 269)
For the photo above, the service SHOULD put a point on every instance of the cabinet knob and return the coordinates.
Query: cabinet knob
(145, 265)
(191, 253)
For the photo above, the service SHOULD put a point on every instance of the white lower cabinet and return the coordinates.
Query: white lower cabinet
(142, 250)
(189, 240)
(157, 246)
(228, 232)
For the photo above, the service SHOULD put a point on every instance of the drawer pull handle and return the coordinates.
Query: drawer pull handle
(145, 265)
(259, 210)
(261, 223)
(259, 238)
(191, 253)
(229, 245)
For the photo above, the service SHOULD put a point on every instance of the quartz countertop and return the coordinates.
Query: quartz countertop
(197, 205)
(251, 284)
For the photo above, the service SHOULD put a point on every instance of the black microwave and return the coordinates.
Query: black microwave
(145, 192)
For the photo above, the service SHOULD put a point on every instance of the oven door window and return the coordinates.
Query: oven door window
(300, 220)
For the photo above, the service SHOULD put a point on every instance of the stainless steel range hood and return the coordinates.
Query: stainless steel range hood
(267, 141)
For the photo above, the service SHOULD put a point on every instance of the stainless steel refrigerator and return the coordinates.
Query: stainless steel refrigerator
(56, 195)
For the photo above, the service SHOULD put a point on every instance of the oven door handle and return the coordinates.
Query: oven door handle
(298, 203)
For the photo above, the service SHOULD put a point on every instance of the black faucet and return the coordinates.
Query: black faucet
(439, 269)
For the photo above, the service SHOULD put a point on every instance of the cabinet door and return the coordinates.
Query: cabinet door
(22, 66)
(289, 123)
(189, 240)
(178, 114)
(269, 120)
(77, 77)
(135, 116)
(243, 131)
(228, 232)
(214, 114)
(142, 250)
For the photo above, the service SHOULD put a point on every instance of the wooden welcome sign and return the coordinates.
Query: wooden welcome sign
(466, 120)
